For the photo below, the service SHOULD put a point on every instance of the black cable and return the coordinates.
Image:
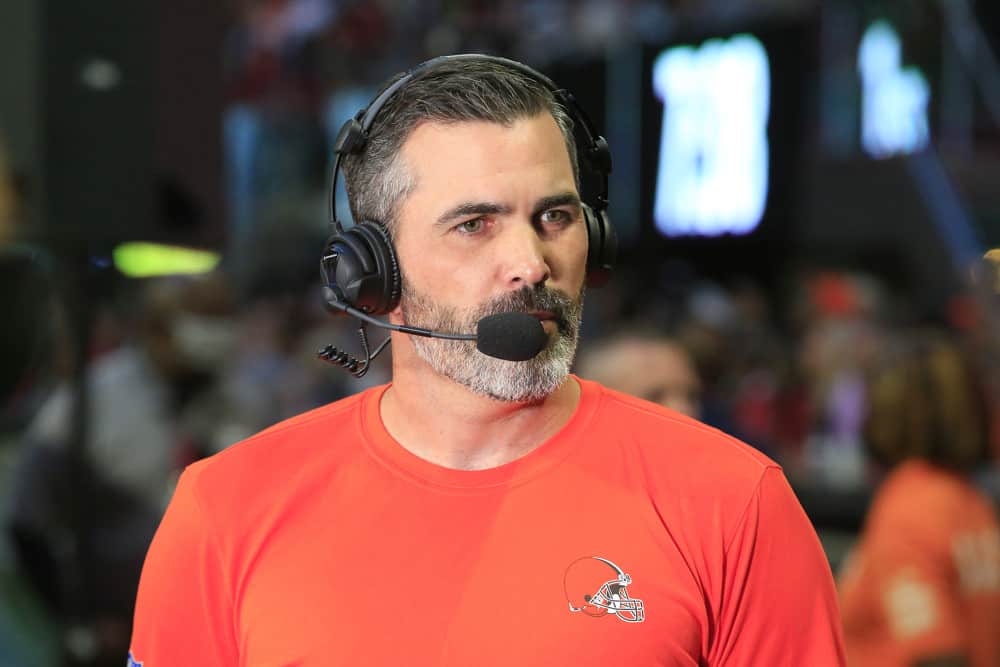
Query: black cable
(356, 367)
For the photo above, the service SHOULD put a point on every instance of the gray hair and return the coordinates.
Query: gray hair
(454, 91)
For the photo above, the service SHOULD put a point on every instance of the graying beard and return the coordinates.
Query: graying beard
(508, 381)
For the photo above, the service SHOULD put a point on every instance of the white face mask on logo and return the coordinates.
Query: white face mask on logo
(203, 341)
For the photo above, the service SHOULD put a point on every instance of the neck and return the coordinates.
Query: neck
(445, 423)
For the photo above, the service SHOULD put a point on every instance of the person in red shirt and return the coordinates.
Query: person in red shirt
(922, 586)
(480, 510)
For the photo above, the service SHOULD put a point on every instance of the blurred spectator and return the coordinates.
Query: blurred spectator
(924, 581)
(841, 336)
(650, 366)
(741, 361)
(81, 528)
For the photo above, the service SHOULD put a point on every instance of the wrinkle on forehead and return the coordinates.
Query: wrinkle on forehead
(468, 161)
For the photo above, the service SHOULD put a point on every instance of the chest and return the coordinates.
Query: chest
(501, 579)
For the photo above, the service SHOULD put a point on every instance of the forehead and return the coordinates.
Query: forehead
(472, 155)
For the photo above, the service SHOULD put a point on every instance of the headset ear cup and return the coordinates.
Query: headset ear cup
(346, 267)
(385, 292)
(602, 247)
(359, 269)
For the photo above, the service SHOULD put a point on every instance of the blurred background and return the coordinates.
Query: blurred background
(798, 186)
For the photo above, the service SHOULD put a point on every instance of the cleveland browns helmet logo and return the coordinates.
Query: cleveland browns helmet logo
(597, 587)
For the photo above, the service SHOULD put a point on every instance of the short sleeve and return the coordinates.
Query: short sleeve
(184, 613)
(779, 604)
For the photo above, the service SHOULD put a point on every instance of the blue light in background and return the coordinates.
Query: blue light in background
(894, 98)
(712, 176)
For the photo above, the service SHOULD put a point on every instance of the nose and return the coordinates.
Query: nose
(525, 262)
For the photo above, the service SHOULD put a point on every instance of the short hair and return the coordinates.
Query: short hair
(926, 402)
(466, 89)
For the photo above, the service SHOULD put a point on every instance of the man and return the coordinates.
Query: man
(478, 511)
(648, 365)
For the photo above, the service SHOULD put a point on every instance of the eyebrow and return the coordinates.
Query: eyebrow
(471, 208)
(492, 208)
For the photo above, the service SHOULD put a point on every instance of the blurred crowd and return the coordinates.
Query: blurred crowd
(181, 367)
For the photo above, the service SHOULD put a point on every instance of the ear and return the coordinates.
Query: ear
(396, 314)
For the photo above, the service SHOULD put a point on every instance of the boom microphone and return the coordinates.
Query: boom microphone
(509, 336)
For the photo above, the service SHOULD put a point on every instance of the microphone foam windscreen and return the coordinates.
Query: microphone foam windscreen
(510, 336)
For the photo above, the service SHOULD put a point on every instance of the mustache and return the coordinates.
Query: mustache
(530, 299)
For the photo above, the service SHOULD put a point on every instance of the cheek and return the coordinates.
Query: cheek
(434, 271)
(420, 267)
(575, 257)
(454, 284)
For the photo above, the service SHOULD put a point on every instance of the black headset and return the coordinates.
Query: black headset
(359, 266)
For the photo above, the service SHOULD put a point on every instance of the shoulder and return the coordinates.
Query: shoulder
(266, 464)
(678, 455)
(666, 435)
(925, 497)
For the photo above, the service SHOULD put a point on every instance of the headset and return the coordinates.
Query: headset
(359, 268)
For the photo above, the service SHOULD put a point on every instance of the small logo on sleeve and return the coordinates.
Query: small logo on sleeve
(132, 662)
(597, 587)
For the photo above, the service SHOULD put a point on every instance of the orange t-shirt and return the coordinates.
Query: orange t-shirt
(633, 536)
(924, 579)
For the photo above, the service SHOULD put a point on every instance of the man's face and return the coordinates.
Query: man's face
(493, 224)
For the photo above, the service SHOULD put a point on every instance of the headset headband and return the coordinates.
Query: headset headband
(353, 135)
